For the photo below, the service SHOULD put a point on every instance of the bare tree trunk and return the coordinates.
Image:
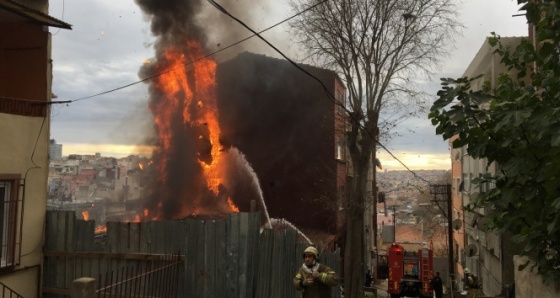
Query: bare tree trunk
(378, 48)
(353, 253)
(374, 205)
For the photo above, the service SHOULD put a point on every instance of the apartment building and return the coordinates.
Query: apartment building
(485, 253)
(25, 93)
(291, 132)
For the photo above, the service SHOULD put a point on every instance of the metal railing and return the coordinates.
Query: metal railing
(156, 278)
(6, 292)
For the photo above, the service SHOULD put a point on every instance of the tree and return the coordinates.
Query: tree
(377, 47)
(516, 125)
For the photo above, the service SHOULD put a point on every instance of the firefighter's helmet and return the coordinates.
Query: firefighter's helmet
(311, 250)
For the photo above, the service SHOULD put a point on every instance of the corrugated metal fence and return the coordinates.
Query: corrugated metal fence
(232, 257)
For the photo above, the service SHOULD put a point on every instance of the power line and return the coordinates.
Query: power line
(255, 33)
(62, 19)
(325, 89)
(192, 61)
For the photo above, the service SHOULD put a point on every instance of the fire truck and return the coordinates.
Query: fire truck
(410, 272)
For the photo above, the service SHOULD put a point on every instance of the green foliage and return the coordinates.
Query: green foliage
(517, 125)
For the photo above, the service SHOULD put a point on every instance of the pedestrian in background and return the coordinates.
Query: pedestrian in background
(313, 278)
(511, 292)
(369, 279)
(437, 285)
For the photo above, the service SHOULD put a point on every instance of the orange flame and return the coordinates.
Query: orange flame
(232, 206)
(201, 113)
(85, 215)
(100, 229)
(141, 166)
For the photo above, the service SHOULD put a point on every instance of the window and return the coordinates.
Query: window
(340, 154)
(339, 151)
(9, 220)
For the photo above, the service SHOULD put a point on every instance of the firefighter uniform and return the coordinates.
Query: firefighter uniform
(324, 278)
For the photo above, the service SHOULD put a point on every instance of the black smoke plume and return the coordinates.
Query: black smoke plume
(181, 190)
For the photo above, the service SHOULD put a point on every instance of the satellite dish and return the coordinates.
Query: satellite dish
(471, 250)
(457, 224)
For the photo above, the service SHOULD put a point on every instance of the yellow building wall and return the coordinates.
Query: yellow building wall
(17, 146)
(26, 73)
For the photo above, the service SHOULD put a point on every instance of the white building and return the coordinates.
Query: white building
(55, 150)
(486, 253)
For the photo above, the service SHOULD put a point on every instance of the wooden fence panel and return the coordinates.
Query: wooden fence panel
(60, 226)
(135, 237)
(290, 264)
(231, 257)
(84, 234)
(200, 259)
(262, 279)
(212, 273)
(243, 250)
(221, 258)
(191, 254)
(300, 247)
(254, 223)
(333, 261)
(143, 236)
(113, 236)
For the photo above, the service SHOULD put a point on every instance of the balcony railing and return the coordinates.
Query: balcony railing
(5, 291)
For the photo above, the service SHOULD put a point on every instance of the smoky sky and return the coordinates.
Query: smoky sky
(172, 20)
(109, 41)
(202, 21)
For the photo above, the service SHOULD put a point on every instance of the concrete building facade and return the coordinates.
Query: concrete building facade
(55, 150)
(457, 211)
(485, 253)
(25, 92)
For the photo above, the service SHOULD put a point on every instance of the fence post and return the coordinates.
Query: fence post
(83, 287)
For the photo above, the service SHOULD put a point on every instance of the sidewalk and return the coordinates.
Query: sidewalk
(381, 291)
(381, 288)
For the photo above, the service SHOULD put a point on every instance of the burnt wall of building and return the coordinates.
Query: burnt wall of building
(283, 122)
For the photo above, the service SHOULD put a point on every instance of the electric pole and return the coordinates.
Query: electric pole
(442, 193)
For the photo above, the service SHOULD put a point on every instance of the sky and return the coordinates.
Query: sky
(110, 41)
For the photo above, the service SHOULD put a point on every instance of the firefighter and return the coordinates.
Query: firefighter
(313, 278)
(472, 284)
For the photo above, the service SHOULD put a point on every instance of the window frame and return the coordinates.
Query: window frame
(10, 228)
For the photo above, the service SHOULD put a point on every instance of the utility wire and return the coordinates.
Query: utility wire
(62, 19)
(192, 61)
(325, 89)
(255, 33)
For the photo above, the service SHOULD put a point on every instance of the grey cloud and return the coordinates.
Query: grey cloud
(88, 62)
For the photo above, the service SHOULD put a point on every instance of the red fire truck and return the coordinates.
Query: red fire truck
(410, 272)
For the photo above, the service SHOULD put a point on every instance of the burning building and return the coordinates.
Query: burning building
(214, 121)
(290, 131)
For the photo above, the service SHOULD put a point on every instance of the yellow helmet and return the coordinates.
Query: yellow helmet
(311, 250)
